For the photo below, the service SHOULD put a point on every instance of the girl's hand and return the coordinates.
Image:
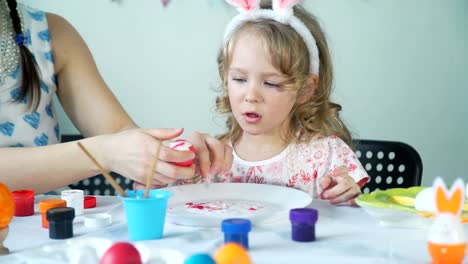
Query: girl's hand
(214, 157)
(130, 153)
(339, 187)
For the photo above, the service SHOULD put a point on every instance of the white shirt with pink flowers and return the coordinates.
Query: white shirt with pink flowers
(298, 166)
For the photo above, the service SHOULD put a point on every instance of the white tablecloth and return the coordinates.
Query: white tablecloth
(344, 235)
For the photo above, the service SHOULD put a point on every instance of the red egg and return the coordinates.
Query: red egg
(121, 253)
(183, 145)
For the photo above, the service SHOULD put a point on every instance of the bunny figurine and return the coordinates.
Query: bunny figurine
(446, 241)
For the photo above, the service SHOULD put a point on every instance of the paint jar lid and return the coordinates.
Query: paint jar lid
(303, 215)
(24, 202)
(58, 214)
(22, 194)
(89, 202)
(45, 205)
(236, 226)
(97, 220)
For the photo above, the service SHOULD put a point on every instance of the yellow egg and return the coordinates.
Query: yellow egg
(232, 253)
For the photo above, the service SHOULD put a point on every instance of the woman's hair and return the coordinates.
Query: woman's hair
(30, 86)
(289, 53)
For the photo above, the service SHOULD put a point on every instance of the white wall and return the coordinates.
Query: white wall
(401, 66)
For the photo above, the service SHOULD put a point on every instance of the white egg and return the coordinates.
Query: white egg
(425, 201)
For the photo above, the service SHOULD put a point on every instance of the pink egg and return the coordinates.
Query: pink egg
(183, 145)
(121, 253)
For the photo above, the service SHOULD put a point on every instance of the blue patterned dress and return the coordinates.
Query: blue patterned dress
(18, 126)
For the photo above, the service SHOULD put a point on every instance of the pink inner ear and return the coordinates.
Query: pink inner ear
(247, 5)
(288, 3)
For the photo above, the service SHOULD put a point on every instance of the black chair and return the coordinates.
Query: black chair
(389, 164)
(98, 185)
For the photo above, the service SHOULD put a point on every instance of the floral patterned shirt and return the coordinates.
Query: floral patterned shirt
(298, 166)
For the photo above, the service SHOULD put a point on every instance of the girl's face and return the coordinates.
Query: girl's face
(259, 104)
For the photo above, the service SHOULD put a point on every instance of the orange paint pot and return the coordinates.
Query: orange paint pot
(47, 204)
(447, 254)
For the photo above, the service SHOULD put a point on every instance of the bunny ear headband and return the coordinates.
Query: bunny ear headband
(249, 10)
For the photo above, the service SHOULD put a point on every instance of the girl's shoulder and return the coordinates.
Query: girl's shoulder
(319, 140)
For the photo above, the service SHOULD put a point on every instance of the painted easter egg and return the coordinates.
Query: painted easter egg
(121, 253)
(182, 145)
(7, 206)
(200, 258)
(232, 253)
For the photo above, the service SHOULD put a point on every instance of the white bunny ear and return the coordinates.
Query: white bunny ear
(449, 201)
(284, 8)
(245, 5)
(283, 4)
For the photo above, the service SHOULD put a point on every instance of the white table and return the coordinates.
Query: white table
(344, 235)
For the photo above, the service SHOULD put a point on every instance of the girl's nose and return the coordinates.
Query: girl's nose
(253, 95)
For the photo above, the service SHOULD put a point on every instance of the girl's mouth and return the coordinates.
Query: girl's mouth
(252, 117)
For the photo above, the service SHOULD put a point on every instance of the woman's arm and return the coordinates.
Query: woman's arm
(45, 168)
(94, 110)
(90, 105)
(85, 97)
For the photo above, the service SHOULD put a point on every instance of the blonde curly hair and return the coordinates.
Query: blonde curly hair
(317, 115)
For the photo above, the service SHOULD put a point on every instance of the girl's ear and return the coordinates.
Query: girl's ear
(308, 91)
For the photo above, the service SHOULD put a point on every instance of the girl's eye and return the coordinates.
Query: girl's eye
(238, 79)
(271, 84)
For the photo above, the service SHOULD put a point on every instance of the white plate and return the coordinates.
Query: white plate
(207, 205)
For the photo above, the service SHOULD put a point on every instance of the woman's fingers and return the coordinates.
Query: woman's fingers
(174, 172)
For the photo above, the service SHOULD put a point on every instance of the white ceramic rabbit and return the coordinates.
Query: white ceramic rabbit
(446, 241)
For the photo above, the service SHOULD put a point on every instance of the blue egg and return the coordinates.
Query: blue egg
(200, 258)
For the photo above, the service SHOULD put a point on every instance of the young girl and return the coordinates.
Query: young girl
(42, 55)
(277, 78)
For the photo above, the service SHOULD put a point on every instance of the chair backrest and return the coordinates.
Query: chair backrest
(389, 164)
(98, 185)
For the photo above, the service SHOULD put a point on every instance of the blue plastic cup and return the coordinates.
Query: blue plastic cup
(145, 216)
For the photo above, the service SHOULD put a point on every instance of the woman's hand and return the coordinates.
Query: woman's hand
(130, 153)
(213, 156)
(339, 187)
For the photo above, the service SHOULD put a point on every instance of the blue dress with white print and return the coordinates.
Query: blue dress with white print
(19, 127)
